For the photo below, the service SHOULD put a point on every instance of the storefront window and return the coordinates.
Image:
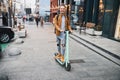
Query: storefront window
(77, 2)
(0, 9)
(77, 11)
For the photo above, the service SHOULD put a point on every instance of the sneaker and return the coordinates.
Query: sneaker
(62, 58)
(58, 56)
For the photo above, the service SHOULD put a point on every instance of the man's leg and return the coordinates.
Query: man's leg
(58, 45)
(62, 49)
(59, 48)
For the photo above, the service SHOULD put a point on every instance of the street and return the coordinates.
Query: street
(36, 61)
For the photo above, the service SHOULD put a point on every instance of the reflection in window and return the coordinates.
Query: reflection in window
(101, 12)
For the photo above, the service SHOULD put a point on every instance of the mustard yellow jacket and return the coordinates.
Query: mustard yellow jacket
(57, 23)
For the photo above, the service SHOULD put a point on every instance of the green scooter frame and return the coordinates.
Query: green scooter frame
(66, 62)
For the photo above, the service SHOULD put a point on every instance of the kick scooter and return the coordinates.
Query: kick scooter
(66, 62)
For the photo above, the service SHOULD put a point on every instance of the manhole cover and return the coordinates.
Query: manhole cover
(77, 61)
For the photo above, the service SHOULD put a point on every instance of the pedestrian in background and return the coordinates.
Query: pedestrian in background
(42, 21)
(15, 22)
(24, 18)
(37, 20)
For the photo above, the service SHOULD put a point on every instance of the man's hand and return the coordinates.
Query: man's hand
(61, 30)
(70, 31)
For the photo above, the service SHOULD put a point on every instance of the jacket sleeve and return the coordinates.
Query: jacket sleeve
(56, 23)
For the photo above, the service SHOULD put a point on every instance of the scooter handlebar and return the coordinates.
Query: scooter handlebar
(68, 31)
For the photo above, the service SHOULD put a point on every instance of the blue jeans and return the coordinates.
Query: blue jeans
(61, 44)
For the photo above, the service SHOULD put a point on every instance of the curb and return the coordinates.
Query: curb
(104, 50)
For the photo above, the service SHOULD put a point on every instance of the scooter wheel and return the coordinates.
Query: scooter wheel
(68, 67)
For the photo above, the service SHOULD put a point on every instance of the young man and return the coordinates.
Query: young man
(62, 24)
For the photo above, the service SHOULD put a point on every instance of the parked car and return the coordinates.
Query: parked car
(0, 49)
(6, 34)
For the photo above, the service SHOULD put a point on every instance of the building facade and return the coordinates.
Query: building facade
(104, 13)
(53, 9)
(3, 12)
(111, 19)
(37, 2)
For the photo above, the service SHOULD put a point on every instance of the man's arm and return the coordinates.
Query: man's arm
(56, 23)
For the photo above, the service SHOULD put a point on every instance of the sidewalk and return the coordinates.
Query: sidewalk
(36, 62)
(103, 43)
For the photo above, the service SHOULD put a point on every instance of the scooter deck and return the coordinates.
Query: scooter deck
(58, 60)
(66, 65)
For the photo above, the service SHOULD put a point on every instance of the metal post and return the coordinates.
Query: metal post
(14, 15)
(10, 12)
